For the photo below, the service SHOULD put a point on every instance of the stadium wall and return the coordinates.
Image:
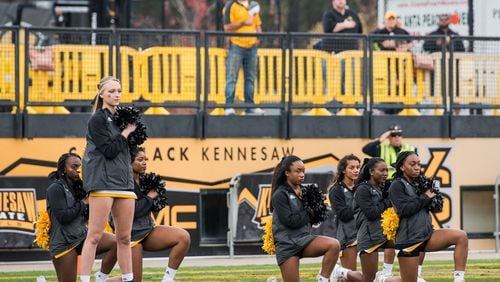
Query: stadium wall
(198, 173)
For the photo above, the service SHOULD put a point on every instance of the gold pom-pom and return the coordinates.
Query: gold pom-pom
(108, 228)
(267, 238)
(390, 223)
(42, 226)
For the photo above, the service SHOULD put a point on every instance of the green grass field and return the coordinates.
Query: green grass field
(434, 271)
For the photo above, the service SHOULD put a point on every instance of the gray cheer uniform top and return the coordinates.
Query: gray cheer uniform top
(415, 223)
(67, 222)
(106, 164)
(291, 224)
(342, 201)
(368, 208)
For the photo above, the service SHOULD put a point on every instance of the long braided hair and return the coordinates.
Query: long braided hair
(61, 163)
(400, 161)
(279, 176)
(368, 164)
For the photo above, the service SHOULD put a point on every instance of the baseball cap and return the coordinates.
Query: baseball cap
(395, 129)
(390, 14)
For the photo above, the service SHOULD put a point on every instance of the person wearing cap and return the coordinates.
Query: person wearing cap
(388, 152)
(391, 27)
(242, 16)
(340, 19)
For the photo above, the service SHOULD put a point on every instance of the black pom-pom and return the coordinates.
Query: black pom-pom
(80, 193)
(422, 184)
(314, 201)
(385, 189)
(130, 115)
(153, 182)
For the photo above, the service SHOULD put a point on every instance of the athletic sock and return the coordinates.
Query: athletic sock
(387, 269)
(169, 274)
(101, 277)
(459, 276)
(128, 277)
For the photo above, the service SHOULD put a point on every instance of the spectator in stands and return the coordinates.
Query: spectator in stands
(369, 204)
(415, 233)
(67, 207)
(242, 16)
(292, 227)
(388, 152)
(433, 45)
(341, 197)
(391, 27)
(107, 176)
(146, 236)
(340, 19)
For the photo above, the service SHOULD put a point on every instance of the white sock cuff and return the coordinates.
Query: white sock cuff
(343, 271)
(128, 277)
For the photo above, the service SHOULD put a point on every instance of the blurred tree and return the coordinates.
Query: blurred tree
(277, 15)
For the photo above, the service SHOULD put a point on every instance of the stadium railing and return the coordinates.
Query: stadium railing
(162, 69)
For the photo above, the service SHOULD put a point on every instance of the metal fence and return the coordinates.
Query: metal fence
(49, 70)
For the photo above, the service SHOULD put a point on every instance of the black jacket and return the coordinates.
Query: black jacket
(368, 208)
(415, 223)
(68, 223)
(342, 202)
(385, 31)
(291, 223)
(106, 163)
(143, 222)
(330, 19)
(431, 46)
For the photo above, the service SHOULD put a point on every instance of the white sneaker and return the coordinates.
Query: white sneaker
(380, 277)
(100, 278)
(255, 112)
(420, 279)
(167, 280)
(336, 275)
(229, 112)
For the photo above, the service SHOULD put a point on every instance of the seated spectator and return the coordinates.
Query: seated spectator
(435, 45)
(391, 27)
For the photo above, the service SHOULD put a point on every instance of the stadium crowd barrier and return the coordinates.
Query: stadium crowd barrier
(167, 74)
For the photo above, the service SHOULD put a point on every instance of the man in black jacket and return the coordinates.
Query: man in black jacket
(433, 45)
(340, 20)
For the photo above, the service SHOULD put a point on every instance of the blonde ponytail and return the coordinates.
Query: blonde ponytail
(98, 101)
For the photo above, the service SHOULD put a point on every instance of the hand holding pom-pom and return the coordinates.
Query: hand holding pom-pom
(423, 184)
(130, 115)
(153, 182)
(314, 202)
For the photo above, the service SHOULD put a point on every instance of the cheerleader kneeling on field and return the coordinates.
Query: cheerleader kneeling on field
(292, 225)
(369, 204)
(342, 197)
(415, 233)
(67, 208)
